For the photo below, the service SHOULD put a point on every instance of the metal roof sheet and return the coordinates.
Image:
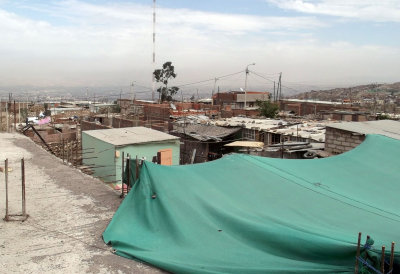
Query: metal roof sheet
(207, 132)
(387, 128)
(130, 135)
(245, 144)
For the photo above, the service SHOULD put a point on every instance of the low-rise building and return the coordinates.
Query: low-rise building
(344, 136)
(237, 99)
(103, 149)
(202, 143)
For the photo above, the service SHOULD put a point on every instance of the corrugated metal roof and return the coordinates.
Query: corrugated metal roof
(387, 128)
(130, 135)
(206, 132)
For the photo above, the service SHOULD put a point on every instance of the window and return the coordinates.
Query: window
(249, 134)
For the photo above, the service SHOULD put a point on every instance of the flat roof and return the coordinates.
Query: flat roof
(389, 128)
(130, 135)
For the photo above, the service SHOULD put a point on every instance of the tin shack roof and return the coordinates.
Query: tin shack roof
(130, 135)
(387, 128)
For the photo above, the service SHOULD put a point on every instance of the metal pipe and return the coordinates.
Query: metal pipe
(6, 180)
(23, 187)
(122, 175)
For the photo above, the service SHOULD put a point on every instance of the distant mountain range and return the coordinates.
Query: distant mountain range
(351, 93)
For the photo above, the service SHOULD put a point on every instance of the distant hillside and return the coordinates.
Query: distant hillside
(353, 93)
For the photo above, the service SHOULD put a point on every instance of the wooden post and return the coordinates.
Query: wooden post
(391, 258)
(129, 174)
(6, 180)
(383, 260)
(23, 187)
(1, 115)
(15, 118)
(122, 174)
(358, 253)
(137, 169)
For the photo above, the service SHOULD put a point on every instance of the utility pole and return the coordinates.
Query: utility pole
(133, 91)
(154, 50)
(279, 91)
(351, 101)
(94, 102)
(274, 93)
(245, 84)
(7, 115)
(15, 118)
(213, 91)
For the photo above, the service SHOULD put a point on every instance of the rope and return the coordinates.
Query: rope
(364, 262)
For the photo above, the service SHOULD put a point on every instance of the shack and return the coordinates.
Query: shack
(103, 149)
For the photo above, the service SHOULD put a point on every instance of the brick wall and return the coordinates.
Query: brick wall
(338, 141)
(51, 137)
(307, 108)
(247, 112)
(120, 123)
(86, 125)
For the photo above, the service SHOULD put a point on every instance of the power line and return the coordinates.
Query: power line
(209, 80)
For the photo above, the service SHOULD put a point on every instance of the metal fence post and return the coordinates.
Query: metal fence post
(122, 175)
(6, 180)
(23, 187)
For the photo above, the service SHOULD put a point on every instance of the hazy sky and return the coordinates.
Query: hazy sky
(97, 43)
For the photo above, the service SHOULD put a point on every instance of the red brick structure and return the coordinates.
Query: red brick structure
(302, 108)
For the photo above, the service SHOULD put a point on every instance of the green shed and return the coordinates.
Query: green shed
(103, 149)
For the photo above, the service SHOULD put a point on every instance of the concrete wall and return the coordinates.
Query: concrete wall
(252, 97)
(338, 141)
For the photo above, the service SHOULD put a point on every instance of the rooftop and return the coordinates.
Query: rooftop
(387, 128)
(262, 124)
(130, 135)
(315, 102)
(207, 132)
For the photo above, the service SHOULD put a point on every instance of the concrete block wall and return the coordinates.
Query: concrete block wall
(338, 141)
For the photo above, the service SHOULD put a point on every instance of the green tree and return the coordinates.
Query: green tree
(268, 109)
(163, 76)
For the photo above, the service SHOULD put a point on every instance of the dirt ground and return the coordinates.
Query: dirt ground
(68, 212)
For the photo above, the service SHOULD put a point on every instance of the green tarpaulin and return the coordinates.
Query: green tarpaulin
(249, 214)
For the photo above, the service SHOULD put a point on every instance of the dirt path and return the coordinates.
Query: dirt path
(68, 213)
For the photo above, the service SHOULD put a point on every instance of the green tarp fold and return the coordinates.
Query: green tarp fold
(248, 214)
